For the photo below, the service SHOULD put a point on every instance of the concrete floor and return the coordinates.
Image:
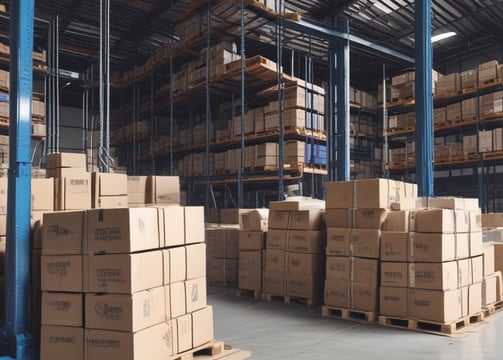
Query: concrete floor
(272, 330)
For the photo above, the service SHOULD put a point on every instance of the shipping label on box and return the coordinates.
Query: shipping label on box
(122, 230)
(63, 273)
(64, 233)
(63, 309)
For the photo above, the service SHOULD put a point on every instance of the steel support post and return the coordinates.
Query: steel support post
(331, 119)
(424, 99)
(342, 145)
(16, 342)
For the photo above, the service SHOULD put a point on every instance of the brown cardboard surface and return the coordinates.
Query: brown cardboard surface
(394, 246)
(307, 241)
(370, 218)
(337, 293)
(195, 262)
(63, 309)
(397, 221)
(63, 172)
(137, 189)
(173, 233)
(338, 240)
(63, 233)
(465, 277)
(498, 257)
(184, 330)
(432, 247)
(232, 245)
(274, 283)
(305, 264)
(251, 240)
(163, 190)
(177, 261)
(477, 269)
(393, 301)
(475, 298)
(194, 224)
(277, 239)
(232, 216)
(434, 276)
(125, 273)
(122, 230)
(255, 220)
(42, 194)
(216, 242)
(250, 260)
(364, 297)
(374, 194)
(462, 245)
(73, 193)
(338, 268)
(304, 286)
(476, 244)
(125, 312)
(109, 184)
(365, 271)
(155, 342)
(365, 243)
(340, 195)
(279, 219)
(61, 273)
(222, 272)
(61, 342)
(435, 221)
(339, 218)
(275, 261)
(250, 280)
(435, 305)
(394, 274)
(111, 202)
(57, 160)
(195, 294)
(311, 219)
(202, 326)
(488, 258)
(177, 300)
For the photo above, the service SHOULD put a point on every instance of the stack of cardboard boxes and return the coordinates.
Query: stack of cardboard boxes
(124, 282)
(222, 254)
(356, 212)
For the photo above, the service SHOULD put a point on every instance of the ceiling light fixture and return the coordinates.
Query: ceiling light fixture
(442, 36)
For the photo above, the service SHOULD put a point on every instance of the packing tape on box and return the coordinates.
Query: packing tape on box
(355, 194)
(352, 213)
(412, 220)
(412, 236)
(412, 275)
(351, 269)
(350, 295)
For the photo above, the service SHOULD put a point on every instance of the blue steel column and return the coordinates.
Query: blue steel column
(424, 101)
(331, 116)
(18, 344)
(343, 161)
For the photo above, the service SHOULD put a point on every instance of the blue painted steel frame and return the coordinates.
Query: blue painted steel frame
(424, 100)
(16, 341)
(343, 160)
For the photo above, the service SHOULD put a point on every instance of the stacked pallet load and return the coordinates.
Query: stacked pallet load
(492, 231)
(355, 215)
(294, 255)
(153, 190)
(136, 274)
(434, 275)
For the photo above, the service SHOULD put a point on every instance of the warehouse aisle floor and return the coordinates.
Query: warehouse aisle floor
(272, 330)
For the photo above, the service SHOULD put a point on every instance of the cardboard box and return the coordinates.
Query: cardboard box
(194, 224)
(397, 221)
(311, 219)
(42, 194)
(279, 219)
(195, 294)
(492, 289)
(307, 241)
(338, 268)
(202, 326)
(275, 261)
(155, 342)
(61, 342)
(370, 218)
(394, 246)
(232, 216)
(394, 274)
(274, 283)
(250, 280)
(137, 189)
(435, 305)
(277, 239)
(126, 312)
(125, 273)
(462, 245)
(176, 306)
(163, 190)
(475, 298)
(488, 258)
(250, 260)
(339, 218)
(365, 243)
(305, 264)
(222, 272)
(255, 220)
(62, 273)
(341, 195)
(338, 240)
(73, 193)
(63, 309)
(365, 271)
(364, 297)
(435, 221)
(108, 184)
(64, 233)
(195, 261)
(175, 265)
(337, 293)
(434, 276)
(62, 160)
(111, 202)
(122, 230)
(251, 240)
(184, 331)
(60, 173)
(171, 233)
(476, 247)
(432, 247)
(393, 302)
(477, 269)
(376, 193)
(305, 287)
(232, 246)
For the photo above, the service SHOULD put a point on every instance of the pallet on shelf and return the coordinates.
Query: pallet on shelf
(349, 314)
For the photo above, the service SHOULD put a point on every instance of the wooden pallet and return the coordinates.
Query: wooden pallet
(291, 299)
(212, 348)
(228, 354)
(397, 131)
(257, 295)
(348, 314)
(493, 155)
(493, 308)
(432, 327)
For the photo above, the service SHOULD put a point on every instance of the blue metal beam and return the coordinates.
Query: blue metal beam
(16, 341)
(327, 32)
(424, 100)
(331, 113)
(343, 145)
